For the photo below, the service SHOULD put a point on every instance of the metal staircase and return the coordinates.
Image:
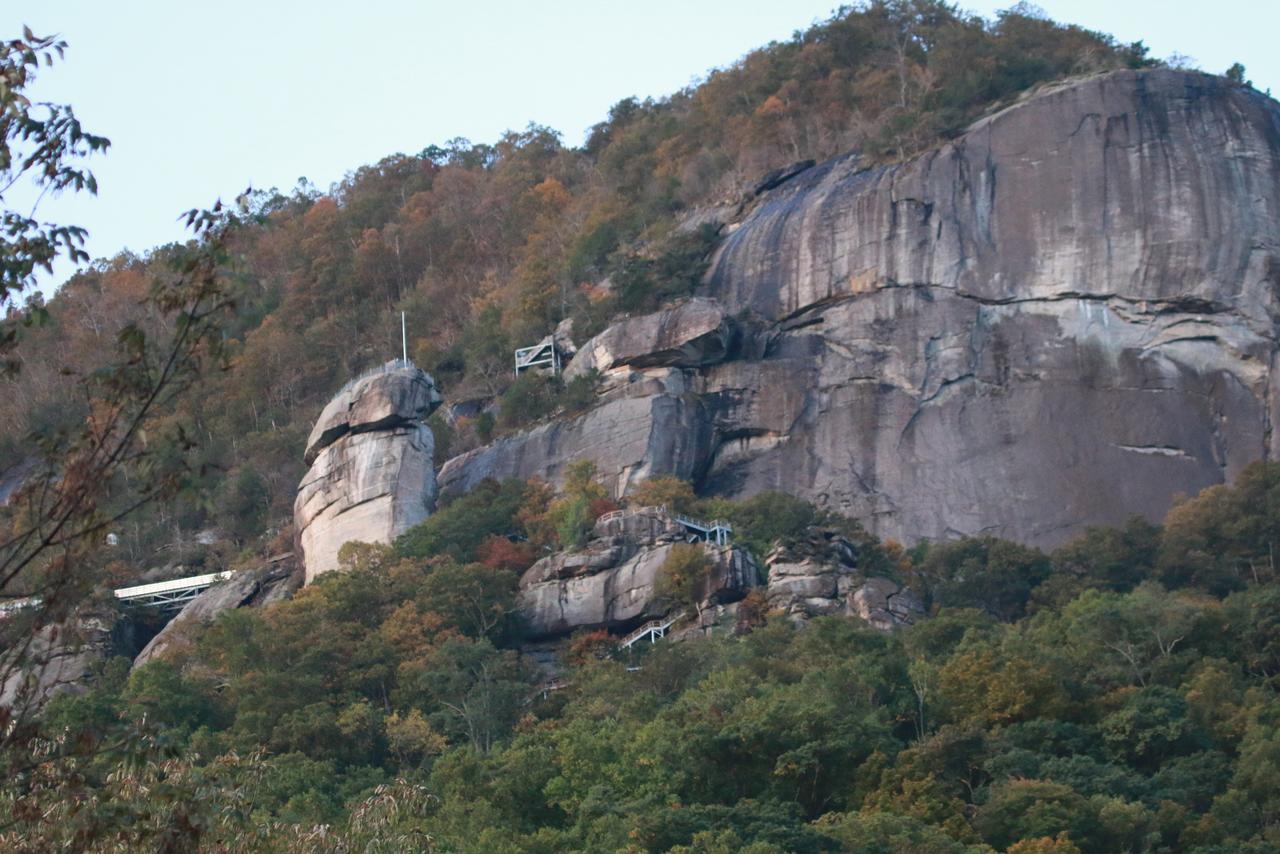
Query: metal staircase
(716, 531)
(654, 630)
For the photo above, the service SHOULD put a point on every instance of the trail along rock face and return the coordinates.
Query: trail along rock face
(1065, 316)
(371, 476)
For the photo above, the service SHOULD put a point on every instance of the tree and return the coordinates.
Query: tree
(43, 142)
(129, 452)
(664, 491)
(1226, 535)
(1236, 75)
(477, 600)
(684, 574)
(1034, 809)
(985, 572)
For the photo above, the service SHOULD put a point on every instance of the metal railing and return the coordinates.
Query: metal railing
(168, 594)
(656, 509)
(654, 630)
(162, 594)
(716, 531)
(541, 355)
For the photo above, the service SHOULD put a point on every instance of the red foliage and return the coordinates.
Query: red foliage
(600, 506)
(588, 646)
(500, 553)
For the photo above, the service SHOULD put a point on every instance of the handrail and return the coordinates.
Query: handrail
(175, 591)
(173, 585)
(634, 511)
(654, 628)
(704, 526)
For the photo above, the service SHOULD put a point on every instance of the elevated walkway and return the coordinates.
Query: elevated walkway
(170, 594)
(165, 595)
(716, 531)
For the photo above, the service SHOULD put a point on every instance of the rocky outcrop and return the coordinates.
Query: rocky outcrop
(612, 582)
(821, 576)
(1065, 316)
(247, 588)
(886, 605)
(391, 397)
(371, 475)
(652, 427)
(58, 659)
(690, 334)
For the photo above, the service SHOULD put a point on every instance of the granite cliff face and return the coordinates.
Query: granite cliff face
(371, 475)
(1065, 316)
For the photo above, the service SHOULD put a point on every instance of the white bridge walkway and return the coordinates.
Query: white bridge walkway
(165, 595)
(169, 594)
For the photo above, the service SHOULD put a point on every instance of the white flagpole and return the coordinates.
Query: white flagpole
(404, 340)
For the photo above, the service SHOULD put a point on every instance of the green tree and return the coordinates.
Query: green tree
(984, 572)
(44, 143)
(684, 574)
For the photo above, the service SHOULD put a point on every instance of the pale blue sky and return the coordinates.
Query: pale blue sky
(201, 100)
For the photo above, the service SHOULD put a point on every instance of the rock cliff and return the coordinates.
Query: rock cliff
(274, 582)
(371, 475)
(820, 576)
(612, 582)
(1062, 317)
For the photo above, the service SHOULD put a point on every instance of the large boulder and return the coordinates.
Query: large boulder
(629, 438)
(55, 659)
(622, 596)
(1061, 318)
(395, 395)
(374, 479)
(690, 334)
(820, 575)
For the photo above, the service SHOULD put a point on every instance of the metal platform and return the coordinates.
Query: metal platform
(716, 531)
(170, 594)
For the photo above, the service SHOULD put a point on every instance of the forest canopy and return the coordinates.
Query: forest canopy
(1117, 694)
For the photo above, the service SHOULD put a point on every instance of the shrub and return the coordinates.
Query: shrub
(665, 490)
(683, 575)
(460, 527)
